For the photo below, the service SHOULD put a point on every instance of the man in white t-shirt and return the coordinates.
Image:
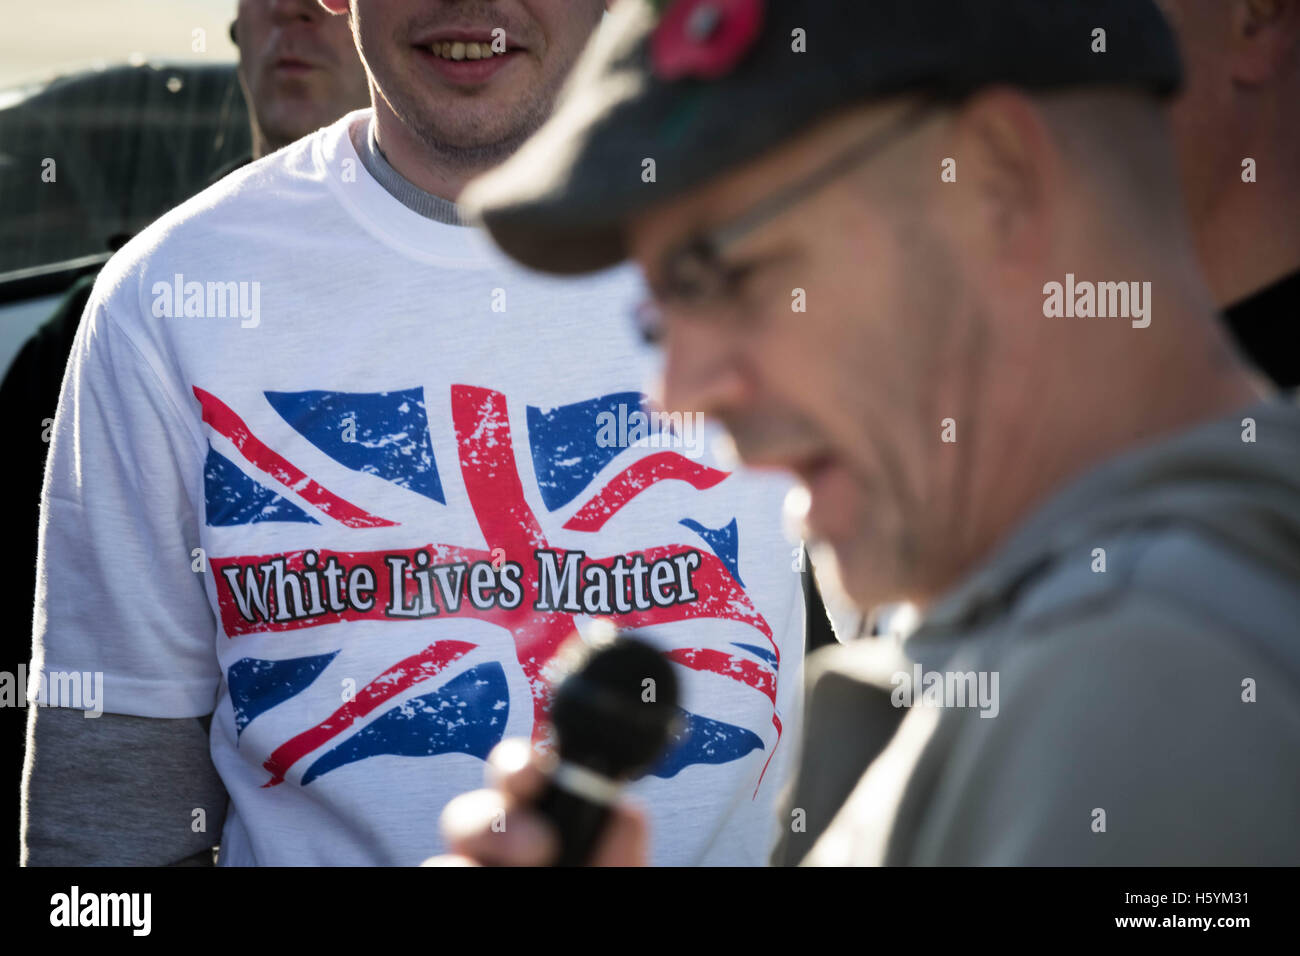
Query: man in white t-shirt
(331, 473)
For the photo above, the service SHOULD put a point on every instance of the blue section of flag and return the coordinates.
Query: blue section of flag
(376, 433)
(705, 740)
(757, 651)
(724, 542)
(232, 498)
(566, 447)
(257, 685)
(466, 715)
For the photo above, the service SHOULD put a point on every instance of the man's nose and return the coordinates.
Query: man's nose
(285, 11)
(701, 371)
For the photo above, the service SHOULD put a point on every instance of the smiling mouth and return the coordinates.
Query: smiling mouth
(462, 50)
(814, 474)
(807, 467)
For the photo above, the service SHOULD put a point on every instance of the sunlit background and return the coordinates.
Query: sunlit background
(41, 38)
(138, 104)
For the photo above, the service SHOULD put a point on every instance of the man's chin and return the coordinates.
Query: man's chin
(468, 122)
(848, 576)
(834, 579)
(291, 118)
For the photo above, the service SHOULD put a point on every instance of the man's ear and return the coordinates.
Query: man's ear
(1265, 35)
(336, 7)
(1008, 167)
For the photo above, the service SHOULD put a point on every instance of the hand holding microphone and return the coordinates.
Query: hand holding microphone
(613, 713)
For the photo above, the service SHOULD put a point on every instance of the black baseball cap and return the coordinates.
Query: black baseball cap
(702, 86)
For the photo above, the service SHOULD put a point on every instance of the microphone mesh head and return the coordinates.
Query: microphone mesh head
(617, 708)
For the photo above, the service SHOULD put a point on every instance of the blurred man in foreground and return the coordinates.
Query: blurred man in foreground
(1009, 398)
(1237, 130)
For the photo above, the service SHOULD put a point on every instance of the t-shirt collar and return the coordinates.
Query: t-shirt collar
(386, 217)
(402, 189)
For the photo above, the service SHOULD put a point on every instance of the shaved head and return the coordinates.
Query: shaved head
(1236, 119)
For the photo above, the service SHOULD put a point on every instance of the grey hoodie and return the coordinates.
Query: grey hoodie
(1130, 664)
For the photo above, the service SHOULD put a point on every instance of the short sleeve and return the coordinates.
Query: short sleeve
(122, 621)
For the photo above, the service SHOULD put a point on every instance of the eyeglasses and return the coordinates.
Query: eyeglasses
(695, 273)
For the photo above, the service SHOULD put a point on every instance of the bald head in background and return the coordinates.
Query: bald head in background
(1237, 132)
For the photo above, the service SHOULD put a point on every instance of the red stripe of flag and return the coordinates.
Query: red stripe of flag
(220, 416)
(636, 478)
(403, 674)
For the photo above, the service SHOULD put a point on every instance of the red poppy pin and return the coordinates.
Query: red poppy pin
(704, 38)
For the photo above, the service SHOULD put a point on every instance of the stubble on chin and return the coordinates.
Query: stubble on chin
(465, 152)
(460, 142)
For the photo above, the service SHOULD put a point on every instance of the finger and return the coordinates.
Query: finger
(626, 839)
(517, 770)
(485, 827)
(448, 859)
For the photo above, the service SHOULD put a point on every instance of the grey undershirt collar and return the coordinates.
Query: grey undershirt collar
(403, 190)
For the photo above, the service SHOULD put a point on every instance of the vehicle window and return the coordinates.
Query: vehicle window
(95, 145)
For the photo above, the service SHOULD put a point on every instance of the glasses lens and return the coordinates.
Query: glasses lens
(648, 319)
(694, 274)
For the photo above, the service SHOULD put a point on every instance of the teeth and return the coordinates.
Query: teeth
(456, 50)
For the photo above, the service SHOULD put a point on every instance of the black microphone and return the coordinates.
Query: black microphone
(613, 715)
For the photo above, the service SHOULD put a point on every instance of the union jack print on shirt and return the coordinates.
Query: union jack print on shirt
(519, 581)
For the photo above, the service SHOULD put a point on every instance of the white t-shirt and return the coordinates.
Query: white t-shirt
(349, 476)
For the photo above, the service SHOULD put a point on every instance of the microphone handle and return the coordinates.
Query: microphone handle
(578, 820)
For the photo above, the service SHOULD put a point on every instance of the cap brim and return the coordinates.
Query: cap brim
(562, 202)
